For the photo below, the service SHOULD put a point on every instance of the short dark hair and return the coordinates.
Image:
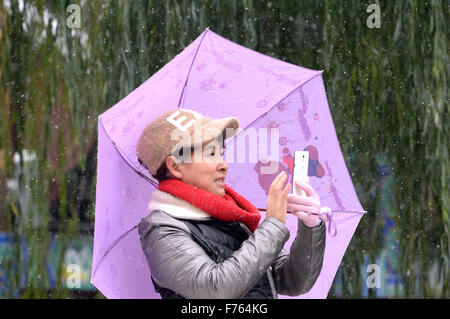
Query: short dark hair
(162, 173)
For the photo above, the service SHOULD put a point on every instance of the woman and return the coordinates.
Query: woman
(204, 240)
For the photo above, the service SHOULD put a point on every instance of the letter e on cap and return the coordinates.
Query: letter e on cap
(178, 122)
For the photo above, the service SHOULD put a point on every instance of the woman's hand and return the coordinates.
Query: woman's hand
(300, 206)
(277, 199)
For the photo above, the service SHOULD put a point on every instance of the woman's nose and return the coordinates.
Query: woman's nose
(222, 166)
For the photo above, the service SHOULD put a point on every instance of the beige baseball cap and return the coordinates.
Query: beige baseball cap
(177, 129)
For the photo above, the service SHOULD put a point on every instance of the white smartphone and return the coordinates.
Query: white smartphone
(301, 161)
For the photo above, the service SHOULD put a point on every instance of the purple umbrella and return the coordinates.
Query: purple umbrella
(283, 105)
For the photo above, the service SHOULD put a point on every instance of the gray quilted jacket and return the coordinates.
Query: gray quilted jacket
(178, 263)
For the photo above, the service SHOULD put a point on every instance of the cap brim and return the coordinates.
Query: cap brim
(222, 125)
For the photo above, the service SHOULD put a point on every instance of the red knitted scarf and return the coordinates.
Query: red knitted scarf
(232, 207)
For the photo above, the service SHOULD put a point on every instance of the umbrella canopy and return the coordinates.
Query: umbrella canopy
(283, 105)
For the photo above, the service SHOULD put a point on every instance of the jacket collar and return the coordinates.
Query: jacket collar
(175, 206)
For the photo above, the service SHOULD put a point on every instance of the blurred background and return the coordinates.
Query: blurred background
(386, 87)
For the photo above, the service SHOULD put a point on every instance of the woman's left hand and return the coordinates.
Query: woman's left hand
(300, 206)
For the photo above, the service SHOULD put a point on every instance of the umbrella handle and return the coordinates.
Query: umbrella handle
(326, 214)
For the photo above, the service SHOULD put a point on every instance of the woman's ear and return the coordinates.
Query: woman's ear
(173, 165)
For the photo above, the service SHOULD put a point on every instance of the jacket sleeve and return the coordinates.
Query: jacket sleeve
(295, 272)
(178, 263)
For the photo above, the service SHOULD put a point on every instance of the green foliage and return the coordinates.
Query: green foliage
(386, 87)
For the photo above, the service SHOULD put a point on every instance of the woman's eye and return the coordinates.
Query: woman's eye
(213, 153)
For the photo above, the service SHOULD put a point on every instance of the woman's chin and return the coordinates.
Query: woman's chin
(219, 189)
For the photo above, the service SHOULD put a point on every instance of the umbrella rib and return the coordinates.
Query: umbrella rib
(334, 211)
(350, 211)
(271, 107)
(126, 159)
(190, 67)
(114, 243)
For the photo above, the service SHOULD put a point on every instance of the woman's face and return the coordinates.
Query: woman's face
(208, 170)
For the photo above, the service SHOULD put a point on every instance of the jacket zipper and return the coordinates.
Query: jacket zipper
(269, 271)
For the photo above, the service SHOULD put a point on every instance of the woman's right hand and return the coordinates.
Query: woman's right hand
(277, 200)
